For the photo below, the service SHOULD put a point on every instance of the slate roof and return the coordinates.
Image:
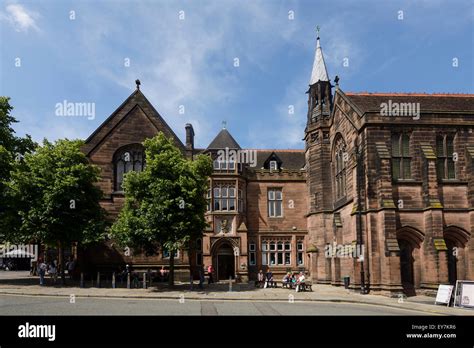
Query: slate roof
(319, 72)
(291, 159)
(136, 99)
(428, 102)
(222, 140)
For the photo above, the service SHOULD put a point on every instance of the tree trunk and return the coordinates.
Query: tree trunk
(61, 262)
(171, 274)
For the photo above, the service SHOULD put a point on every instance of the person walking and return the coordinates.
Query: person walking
(41, 271)
(53, 271)
(210, 270)
(70, 267)
(260, 279)
(269, 279)
(201, 278)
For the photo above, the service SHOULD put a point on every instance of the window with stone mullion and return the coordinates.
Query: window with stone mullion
(224, 197)
(445, 157)
(276, 253)
(401, 160)
(275, 202)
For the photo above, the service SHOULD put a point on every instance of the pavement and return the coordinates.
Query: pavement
(21, 283)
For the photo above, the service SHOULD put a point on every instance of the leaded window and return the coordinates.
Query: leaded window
(401, 160)
(127, 159)
(445, 157)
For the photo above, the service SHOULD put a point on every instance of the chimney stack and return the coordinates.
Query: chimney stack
(189, 140)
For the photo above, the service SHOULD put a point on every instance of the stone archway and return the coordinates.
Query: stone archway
(225, 262)
(224, 259)
(456, 241)
(409, 242)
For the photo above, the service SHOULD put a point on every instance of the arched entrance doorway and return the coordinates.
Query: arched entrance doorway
(406, 267)
(452, 261)
(410, 241)
(457, 258)
(225, 265)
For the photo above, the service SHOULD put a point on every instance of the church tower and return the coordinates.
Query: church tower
(320, 104)
(318, 155)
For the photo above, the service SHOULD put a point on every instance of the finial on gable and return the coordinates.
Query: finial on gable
(137, 81)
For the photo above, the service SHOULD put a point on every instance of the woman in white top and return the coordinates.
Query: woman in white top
(300, 281)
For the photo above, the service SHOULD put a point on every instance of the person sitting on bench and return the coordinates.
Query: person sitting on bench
(269, 278)
(286, 279)
(300, 282)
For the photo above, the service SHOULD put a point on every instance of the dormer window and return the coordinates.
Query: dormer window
(273, 165)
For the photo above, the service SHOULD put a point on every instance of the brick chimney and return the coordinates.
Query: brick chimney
(189, 140)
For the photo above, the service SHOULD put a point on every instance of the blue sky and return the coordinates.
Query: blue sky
(190, 62)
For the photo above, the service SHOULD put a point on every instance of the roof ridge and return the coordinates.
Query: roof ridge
(279, 150)
(415, 94)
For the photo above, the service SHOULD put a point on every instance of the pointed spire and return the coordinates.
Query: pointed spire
(319, 72)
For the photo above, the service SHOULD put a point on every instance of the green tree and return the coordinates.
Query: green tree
(165, 203)
(56, 198)
(12, 148)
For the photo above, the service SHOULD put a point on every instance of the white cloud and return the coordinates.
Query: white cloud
(21, 18)
(187, 62)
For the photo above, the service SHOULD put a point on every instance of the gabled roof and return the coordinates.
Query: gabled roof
(222, 140)
(136, 99)
(319, 73)
(273, 157)
(367, 102)
(290, 159)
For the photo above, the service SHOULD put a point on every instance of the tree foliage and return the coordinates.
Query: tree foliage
(12, 149)
(55, 195)
(165, 203)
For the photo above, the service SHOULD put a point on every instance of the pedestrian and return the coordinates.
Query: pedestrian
(163, 274)
(53, 271)
(70, 266)
(210, 270)
(269, 278)
(201, 278)
(41, 271)
(260, 278)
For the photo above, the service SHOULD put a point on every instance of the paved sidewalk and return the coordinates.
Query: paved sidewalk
(27, 285)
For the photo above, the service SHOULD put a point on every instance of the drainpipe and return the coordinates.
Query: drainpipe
(360, 240)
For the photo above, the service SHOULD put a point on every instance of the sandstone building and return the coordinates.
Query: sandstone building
(384, 191)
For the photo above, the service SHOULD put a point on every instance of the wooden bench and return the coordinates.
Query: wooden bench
(306, 286)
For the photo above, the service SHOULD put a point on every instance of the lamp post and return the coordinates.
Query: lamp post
(236, 262)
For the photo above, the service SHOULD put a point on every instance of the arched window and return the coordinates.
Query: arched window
(126, 159)
(340, 159)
